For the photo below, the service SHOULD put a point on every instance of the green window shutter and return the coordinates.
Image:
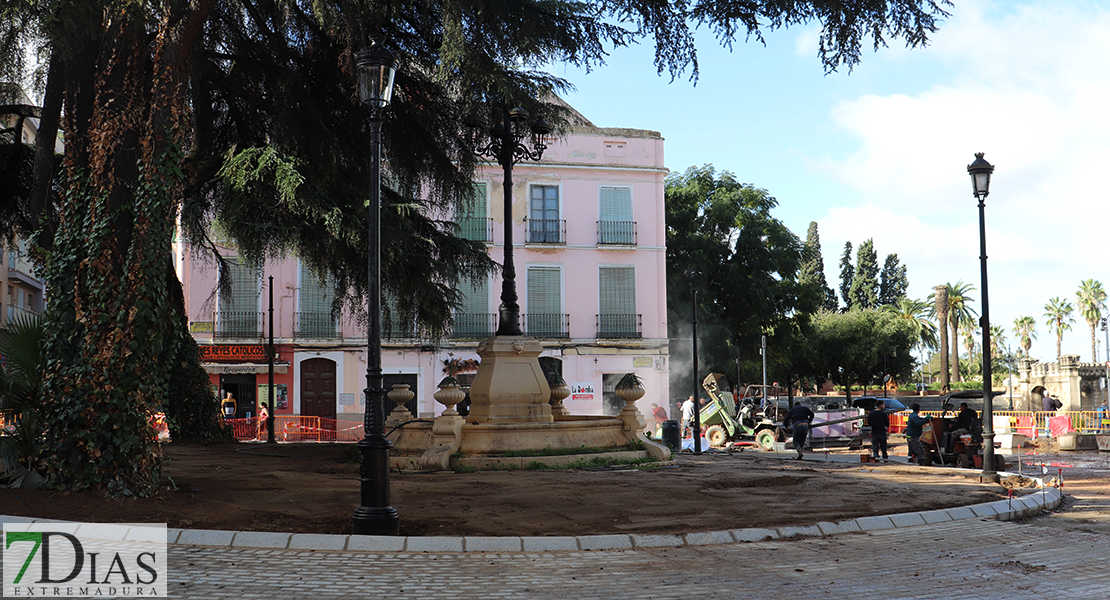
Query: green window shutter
(618, 290)
(544, 290)
(475, 296)
(316, 296)
(471, 214)
(615, 204)
(239, 314)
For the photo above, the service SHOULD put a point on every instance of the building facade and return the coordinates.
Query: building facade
(589, 233)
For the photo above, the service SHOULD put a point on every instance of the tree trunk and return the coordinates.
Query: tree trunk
(114, 347)
(955, 345)
(941, 296)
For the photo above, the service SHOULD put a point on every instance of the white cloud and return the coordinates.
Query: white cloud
(1029, 89)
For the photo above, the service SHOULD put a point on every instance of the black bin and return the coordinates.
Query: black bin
(672, 437)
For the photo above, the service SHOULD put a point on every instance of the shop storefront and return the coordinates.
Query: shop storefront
(243, 372)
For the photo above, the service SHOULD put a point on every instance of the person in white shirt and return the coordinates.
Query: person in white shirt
(687, 415)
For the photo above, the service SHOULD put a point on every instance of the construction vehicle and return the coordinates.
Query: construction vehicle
(754, 416)
(945, 445)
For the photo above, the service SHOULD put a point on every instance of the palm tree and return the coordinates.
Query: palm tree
(998, 339)
(1025, 328)
(20, 399)
(959, 312)
(1092, 302)
(917, 312)
(969, 328)
(939, 298)
(1059, 320)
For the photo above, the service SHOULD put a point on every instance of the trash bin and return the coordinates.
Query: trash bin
(672, 437)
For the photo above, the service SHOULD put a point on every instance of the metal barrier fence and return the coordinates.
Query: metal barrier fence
(1026, 422)
(297, 428)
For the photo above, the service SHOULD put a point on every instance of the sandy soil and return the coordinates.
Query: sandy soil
(313, 488)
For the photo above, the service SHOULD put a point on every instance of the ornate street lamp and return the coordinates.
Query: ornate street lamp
(980, 172)
(375, 516)
(509, 142)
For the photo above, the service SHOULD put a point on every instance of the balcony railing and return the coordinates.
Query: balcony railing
(546, 325)
(547, 231)
(400, 331)
(474, 325)
(475, 228)
(13, 312)
(616, 233)
(620, 327)
(239, 325)
(315, 326)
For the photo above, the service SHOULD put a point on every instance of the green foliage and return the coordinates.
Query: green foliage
(865, 279)
(860, 346)
(596, 462)
(917, 314)
(21, 394)
(847, 272)
(1058, 314)
(723, 242)
(628, 381)
(892, 281)
(1091, 298)
(812, 270)
(1025, 328)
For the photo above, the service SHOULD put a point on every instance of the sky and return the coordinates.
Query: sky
(882, 152)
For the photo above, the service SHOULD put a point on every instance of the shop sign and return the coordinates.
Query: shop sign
(233, 353)
(641, 362)
(202, 327)
(582, 390)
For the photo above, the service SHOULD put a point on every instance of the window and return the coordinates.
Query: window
(617, 316)
(314, 320)
(545, 303)
(238, 315)
(615, 224)
(544, 225)
(473, 319)
(471, 215)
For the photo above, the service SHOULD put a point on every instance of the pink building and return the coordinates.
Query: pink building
(591, 278)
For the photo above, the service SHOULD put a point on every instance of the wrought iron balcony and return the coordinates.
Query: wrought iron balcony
(474, 325)
(546, 325)
(475, 228)
(547, 231)
(239, 325)
(616, 233)
(315, 326)
(620, 327)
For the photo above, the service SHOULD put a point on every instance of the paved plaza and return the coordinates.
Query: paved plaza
(974, 558)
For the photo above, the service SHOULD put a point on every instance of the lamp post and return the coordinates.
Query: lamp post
(508, 143)
(374, 516)
(980, 172)
(1106, 386)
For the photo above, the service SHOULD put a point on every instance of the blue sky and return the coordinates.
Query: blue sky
(882, 152)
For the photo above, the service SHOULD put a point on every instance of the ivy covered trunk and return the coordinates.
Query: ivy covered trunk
(116, 346)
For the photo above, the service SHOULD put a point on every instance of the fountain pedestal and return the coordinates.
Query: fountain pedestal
(510, 386)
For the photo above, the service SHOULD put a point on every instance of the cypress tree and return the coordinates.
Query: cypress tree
(846, 274)
(865, 283)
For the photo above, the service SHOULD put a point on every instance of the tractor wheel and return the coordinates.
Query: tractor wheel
(999, 464)
(716, 435)
(962, 462)
(765, 439)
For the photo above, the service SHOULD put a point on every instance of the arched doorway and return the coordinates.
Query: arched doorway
(318, 388)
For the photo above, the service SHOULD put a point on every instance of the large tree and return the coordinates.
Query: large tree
(242, 114)
(847, 272)
(813, 266)
(1091, 298)
(892, 281)
(1025, 328)
(960, 313)
(860, 346)
(1058, 317)
(723, 242)
(865, 280)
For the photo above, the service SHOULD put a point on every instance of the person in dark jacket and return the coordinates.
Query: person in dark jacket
(801, 417)
(880, 424)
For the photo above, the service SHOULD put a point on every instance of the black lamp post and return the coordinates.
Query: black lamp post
(508, 144)
(980, 172)
(375, 516)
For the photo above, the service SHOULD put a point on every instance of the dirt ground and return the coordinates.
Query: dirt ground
(313, 488)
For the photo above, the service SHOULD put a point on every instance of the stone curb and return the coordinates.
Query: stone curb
(1003, 510)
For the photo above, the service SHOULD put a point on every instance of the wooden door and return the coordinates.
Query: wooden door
(318, 388)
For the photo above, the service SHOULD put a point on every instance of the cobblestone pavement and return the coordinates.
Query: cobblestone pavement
(982, 559)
